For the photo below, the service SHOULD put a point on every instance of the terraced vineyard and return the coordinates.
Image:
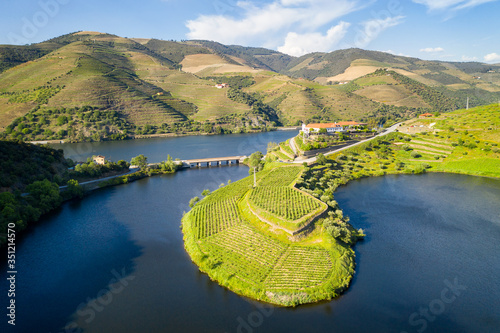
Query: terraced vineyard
(315, 265)
(245, 253)
(255, 261)
(221, 214)
(281, 176)
(275, 201)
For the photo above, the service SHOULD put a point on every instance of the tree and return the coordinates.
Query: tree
(205, 192)
(141, 161)
(254, 162)
(321, 159)
(44, 195)
(169, 165)
(193, 201)
(74, 189)
(271, 146)
(343, 137)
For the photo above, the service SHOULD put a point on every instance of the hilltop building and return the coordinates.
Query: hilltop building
(99, 159)
(222, 85)
(342, 126)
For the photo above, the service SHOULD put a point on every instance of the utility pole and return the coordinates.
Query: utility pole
(254, 177)
(467, 102)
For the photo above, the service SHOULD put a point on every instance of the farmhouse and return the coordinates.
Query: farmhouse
(425, 115)
(99, 159)
(222, 85)
(342, 126)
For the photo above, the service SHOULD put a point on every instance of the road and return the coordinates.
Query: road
(103, 179)
(313, 159)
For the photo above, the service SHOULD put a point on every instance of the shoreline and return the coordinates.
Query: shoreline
(161, 135)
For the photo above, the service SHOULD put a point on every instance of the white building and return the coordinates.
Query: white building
(342, 126)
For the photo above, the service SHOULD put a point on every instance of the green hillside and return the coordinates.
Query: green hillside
(95, 86)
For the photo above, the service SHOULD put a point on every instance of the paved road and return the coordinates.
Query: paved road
(313, 159)
(292, 145)
(103, 179)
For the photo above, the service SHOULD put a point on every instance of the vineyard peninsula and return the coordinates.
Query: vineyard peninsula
(272, 242)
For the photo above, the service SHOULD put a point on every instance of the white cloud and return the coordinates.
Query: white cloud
(451, 4)
(372, 28)
(269, 22)
(300, 44)
(492, 57)
(432, 49)
(396, 53)
(294, 2)
(467, 58)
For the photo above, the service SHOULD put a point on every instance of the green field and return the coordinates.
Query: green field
(252, 258)
(464, 141)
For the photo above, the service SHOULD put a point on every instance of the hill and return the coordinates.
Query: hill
(22, 164)
(96, 86)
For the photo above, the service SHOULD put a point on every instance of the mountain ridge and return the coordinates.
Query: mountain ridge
(112, 87)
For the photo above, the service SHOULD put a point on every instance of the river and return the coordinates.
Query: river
(115, 262)
(185, 147)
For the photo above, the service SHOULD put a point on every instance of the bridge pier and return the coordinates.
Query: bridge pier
(209, 162)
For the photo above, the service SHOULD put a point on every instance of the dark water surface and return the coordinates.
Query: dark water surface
(187, 147)
(115, 262)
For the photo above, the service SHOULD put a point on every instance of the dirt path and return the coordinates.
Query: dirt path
(437, 145)
(447, 152)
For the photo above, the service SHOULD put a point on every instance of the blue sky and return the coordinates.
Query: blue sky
(450, 30)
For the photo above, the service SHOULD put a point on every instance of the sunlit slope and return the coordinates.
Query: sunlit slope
(153, 83)
(100, 73)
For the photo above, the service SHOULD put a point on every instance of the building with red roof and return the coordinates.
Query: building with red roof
(341, 126)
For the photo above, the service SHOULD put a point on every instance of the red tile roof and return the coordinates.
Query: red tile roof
(426, 115)
(326, 125)
(332, 125)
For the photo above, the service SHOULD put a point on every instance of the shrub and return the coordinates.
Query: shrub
(415, 154)
(419, 169)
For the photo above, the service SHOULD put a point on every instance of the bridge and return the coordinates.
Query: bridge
(214, 161)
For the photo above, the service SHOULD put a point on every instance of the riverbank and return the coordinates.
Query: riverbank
(164, 135)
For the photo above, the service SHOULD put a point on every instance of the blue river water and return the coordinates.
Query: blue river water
(115, 261)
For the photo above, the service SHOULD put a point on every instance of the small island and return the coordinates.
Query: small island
(272, 242)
